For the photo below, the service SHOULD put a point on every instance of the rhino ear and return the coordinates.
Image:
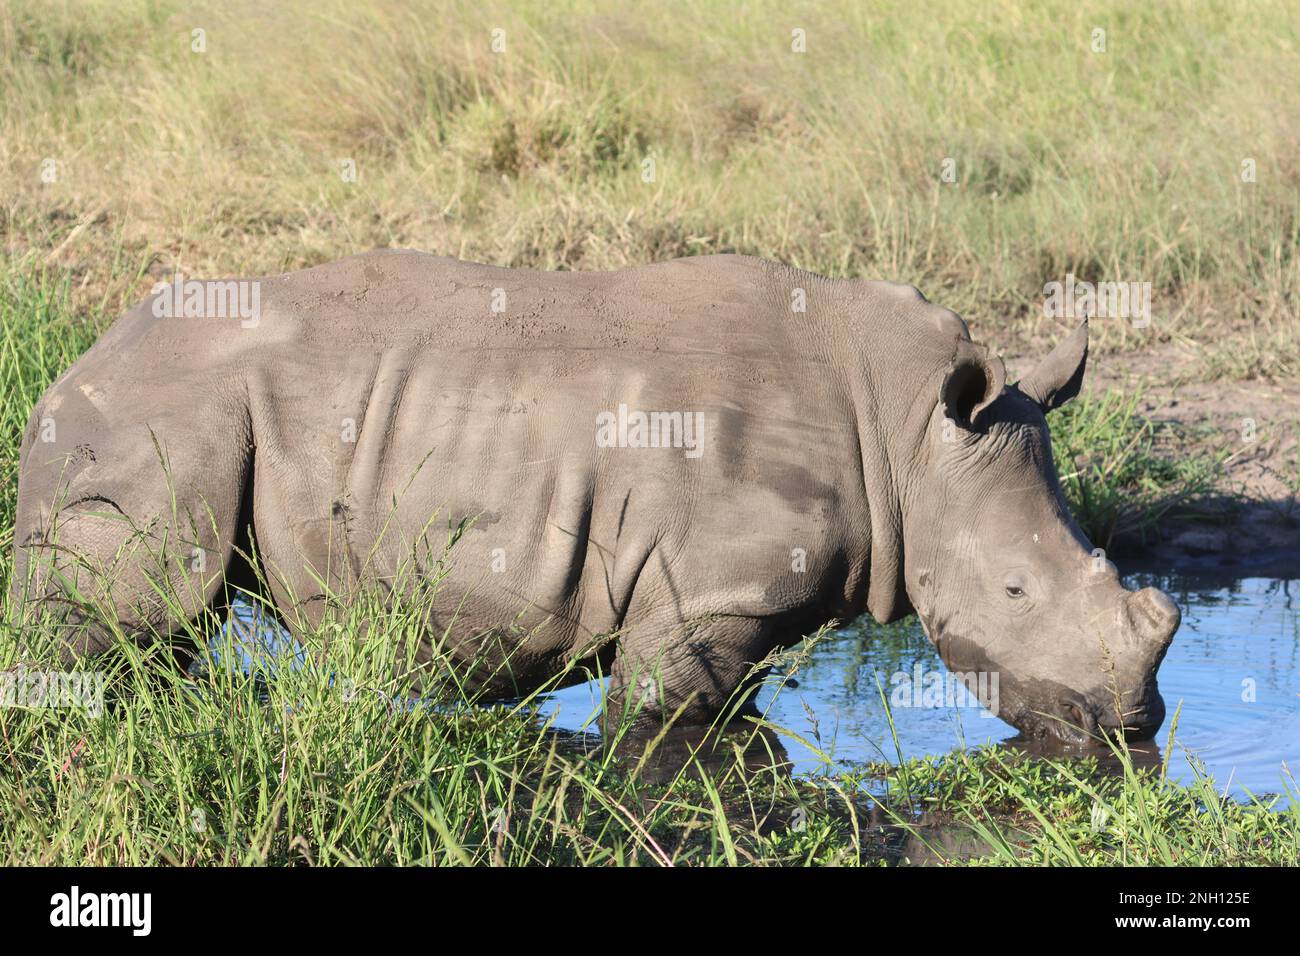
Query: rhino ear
(975, 380)
(1057, 378)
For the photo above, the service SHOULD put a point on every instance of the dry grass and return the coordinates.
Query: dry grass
(1121, 165)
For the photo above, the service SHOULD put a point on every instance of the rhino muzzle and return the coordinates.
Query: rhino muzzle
(1129, 704)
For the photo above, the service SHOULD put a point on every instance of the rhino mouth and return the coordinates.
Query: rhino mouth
(1072, 723)
(1045, 710)
(1077, 721)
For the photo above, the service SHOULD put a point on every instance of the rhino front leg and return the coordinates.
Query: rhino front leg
(697, 669)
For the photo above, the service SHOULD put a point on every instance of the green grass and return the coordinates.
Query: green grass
(1121, 475)
(315, 766)
(1287, 472)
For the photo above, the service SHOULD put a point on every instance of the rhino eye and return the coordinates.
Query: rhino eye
(1015, 592)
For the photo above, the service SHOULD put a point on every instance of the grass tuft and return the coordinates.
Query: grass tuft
(1118, 474)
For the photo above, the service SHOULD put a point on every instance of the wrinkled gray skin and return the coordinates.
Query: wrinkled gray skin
(867, 434)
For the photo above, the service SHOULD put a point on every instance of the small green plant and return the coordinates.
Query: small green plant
(1118, 471)
(1287, 505)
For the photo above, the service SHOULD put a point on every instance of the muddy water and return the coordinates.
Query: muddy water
(1234, 668)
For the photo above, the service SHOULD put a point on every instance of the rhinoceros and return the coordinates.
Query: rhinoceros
(664, 472)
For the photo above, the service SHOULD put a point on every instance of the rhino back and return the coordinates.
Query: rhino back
(388, 391)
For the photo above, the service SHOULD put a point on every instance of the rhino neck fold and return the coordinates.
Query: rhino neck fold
(894, 394)
(886, 595)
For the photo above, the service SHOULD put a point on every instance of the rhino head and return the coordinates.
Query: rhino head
(1005, 583)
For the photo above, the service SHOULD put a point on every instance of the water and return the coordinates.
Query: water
(1234, 668)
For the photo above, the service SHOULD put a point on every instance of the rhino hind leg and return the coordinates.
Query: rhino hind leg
(134, 539)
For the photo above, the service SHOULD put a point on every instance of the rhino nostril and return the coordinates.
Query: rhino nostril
(1137, 716)
(1080, 717)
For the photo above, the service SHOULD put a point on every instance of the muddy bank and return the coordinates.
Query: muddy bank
(1254, 544)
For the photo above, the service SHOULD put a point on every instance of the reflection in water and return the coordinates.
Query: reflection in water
(661, 757)
(1143, 755)
(1234, 669)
